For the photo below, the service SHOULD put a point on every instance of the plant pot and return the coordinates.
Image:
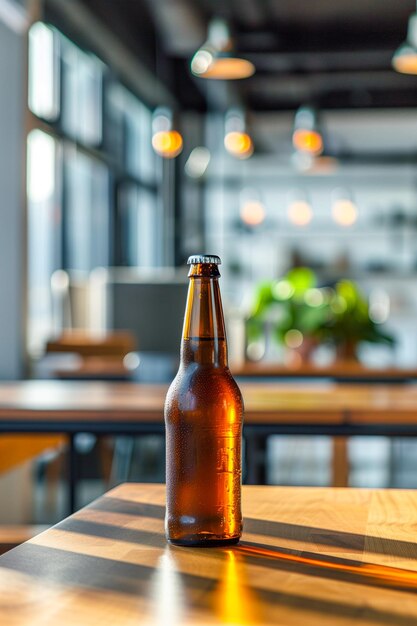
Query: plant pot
(295, 357)
(347, 350)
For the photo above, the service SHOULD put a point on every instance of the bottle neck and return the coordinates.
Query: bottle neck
(204, 336)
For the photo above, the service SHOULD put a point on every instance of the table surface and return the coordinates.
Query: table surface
(116, 343)
(311, 556)
(267, 403)
(337, 370)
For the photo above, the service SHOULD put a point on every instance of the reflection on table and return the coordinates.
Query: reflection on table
(307, 556)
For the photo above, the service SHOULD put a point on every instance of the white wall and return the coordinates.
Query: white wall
(379, 250)
(12, 241)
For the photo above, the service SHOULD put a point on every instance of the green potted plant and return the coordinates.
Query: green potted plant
(301, 316)
(350, 322)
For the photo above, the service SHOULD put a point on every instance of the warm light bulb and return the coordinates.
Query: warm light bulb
(252, 212)
(344, 212)
(307, 141)
(215, 59)
(225, 68)
(300, 213)
(405, 57)
(238, 144)
(405, 62)
(167, 143)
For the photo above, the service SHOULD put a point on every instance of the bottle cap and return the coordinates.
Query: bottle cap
(204, 258)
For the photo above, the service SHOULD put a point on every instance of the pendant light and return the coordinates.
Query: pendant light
(307, 137)
(405, 57)
(299, 210)
(252, 209)
(216, 58)
(344, 210)
(237, 140)
(166, 141)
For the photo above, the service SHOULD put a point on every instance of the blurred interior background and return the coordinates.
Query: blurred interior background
(134, 133)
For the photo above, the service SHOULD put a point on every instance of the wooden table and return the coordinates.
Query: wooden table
(341, 371)
(316, 557)
(58, 406)
(126, 408)
(117, 343)
(93, 368)
(100, 357)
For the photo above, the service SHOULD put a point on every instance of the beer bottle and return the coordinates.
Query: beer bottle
(203, 417)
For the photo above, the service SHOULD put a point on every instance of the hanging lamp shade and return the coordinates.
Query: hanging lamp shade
(299, 209)
(237, 140)
(216, 59)
(252, 209)
(166, 141)
(405, 57)
(344, 209)
(306, 136)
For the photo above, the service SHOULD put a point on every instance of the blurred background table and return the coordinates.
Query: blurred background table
(82, 355)
(341, 371)
(58, 406)
(126, 408)
(114, 344)
(307, 556)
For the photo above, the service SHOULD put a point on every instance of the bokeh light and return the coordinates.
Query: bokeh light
(238, 144)
(309, 141)
(300, 212)
(344, 212)
(293, 338)
(198, 162)
(252, 212)
(314, 297)
(283, 290)
(167, 143)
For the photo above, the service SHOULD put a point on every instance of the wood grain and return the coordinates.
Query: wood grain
(12, 536)
(308, 556)
(80, 342)
(337, 370)
(266, 403)
(93, 368)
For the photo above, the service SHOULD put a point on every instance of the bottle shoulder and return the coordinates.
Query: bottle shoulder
(196, 385)
(195, 374)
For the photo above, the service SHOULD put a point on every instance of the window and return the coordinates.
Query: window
(44, 225)
(82, 82)
(98, 141)
(87, 212)
(130, 125)
(138, 226)
(136, 218)
(44, 72)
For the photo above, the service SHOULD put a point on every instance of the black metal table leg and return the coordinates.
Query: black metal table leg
(72, 474)
(255, 456)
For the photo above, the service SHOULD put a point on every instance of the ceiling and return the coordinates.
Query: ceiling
(332, 53)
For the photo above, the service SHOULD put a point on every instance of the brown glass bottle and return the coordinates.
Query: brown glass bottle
(203, 417)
